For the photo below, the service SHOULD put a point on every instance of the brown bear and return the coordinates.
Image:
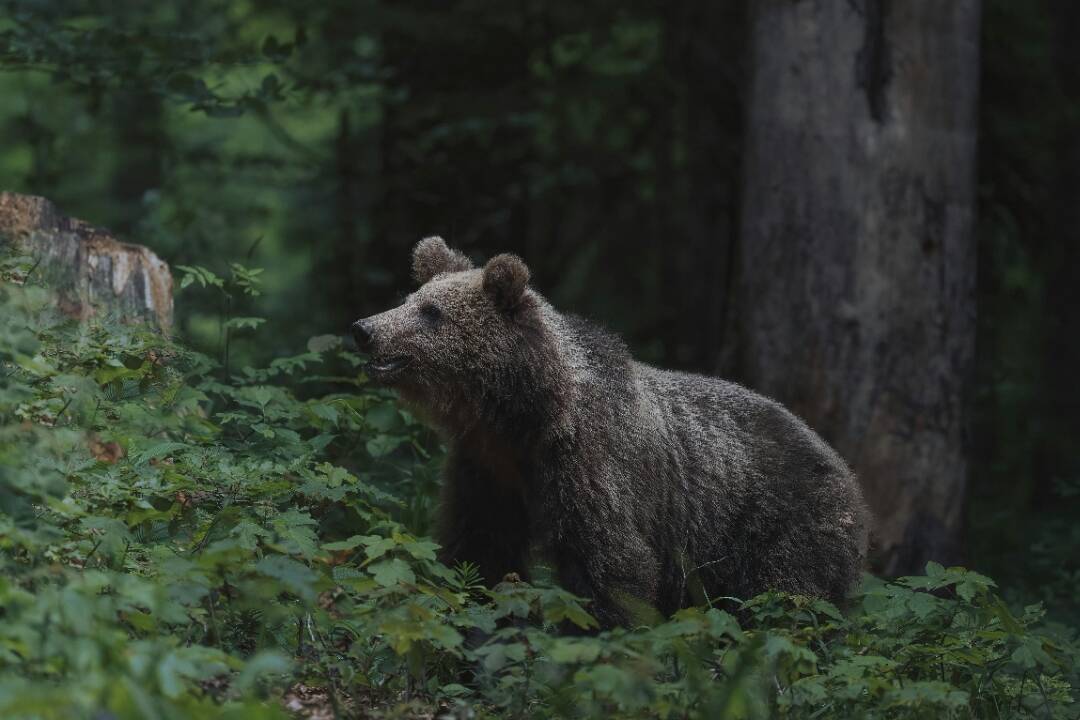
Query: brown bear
(638, 484)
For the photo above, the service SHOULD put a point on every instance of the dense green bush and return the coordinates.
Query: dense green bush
(179, 540)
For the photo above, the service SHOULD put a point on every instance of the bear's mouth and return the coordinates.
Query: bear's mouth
(384, 368)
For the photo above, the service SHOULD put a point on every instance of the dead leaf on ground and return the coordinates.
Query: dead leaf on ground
(106, 452)
(308, 702)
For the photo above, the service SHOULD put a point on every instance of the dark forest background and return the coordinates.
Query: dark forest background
(868, 209)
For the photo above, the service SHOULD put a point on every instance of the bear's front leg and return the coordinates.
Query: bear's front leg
(587, 528)
(586, 578)
(483, 522)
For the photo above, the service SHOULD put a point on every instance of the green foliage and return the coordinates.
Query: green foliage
(176, 545)
(602, 141)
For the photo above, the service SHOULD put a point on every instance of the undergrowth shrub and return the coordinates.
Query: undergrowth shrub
(182, 540)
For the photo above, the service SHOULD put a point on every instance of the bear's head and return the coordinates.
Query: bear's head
(461, 331)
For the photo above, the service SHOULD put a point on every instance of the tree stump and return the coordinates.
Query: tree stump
(92, 273)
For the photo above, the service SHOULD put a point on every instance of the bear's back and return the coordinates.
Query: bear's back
(745, 425)
(712, 474)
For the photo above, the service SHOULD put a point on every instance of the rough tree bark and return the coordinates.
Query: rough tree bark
(91, 272)
(857, 257)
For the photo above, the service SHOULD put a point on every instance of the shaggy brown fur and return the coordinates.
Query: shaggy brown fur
(632, 480)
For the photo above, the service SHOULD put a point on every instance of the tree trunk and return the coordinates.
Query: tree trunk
(90, 271)
(857, 256)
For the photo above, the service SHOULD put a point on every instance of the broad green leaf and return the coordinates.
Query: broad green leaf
(383, 418)
(296, 577)
(392, 572)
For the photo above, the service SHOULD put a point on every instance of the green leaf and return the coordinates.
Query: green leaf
(575, 651)
(935, 693)
(455, 690)
(497, 656)
(421, 549)
(325, 411)
(383, 418)
(186, 665)
(159, 450)
(244, 323)
(1031, 654)
(263, 663)
(561, 607)
(297, 578)
(382, 445)
(341, 545)
(377, 546)
(1002, 613)
(323, 343)
(296, 531)
(389, 573)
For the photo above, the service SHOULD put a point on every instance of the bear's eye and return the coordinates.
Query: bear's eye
(430, 314)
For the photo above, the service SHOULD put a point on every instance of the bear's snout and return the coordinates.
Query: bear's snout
(361, 332)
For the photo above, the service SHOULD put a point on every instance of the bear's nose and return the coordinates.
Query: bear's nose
(361, 332)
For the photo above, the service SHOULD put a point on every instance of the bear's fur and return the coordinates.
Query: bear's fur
(634, 481)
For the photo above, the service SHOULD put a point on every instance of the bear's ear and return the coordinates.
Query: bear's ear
(505, 278)
(431, 257)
